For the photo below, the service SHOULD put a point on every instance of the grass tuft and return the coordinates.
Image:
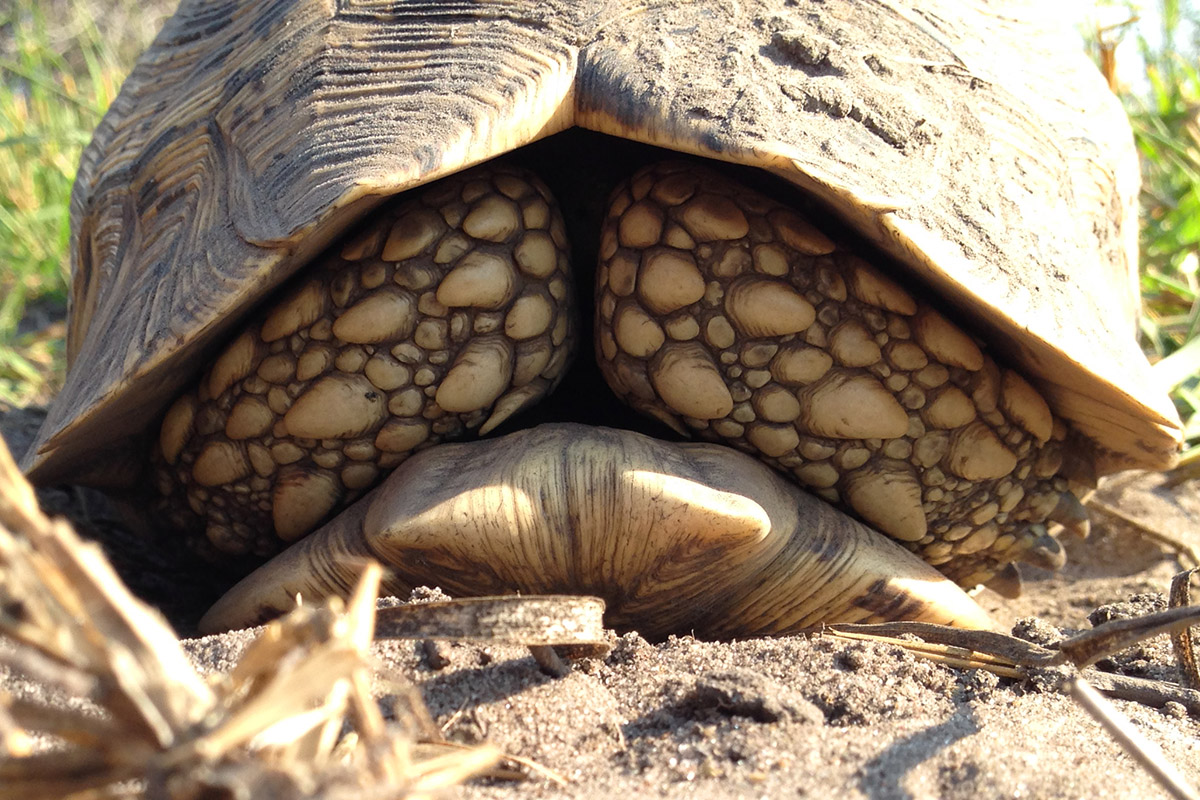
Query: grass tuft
(61, 64)
(1164, 109)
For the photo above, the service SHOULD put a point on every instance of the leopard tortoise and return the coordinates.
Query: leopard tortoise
(882, 250)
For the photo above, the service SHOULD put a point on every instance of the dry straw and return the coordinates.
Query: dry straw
(294, 719)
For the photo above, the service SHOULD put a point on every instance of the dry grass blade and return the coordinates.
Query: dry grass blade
(63, 599)
(1187, 555)
(505, 619)
(1085, 649)
(1181, 640)
(950, 655)
(1139, 748)
(1012, 657)
(272, 727)
(1148, 692)
(1082, 650)
(528, 763)
(998, 648)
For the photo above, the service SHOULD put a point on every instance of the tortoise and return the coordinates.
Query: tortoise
(887, 249)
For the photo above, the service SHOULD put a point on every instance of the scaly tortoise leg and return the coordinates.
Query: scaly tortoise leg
(675, 537)
(704, 331)
(722, 312)
(448, 312)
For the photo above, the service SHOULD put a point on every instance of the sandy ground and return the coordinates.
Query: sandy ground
(793, 717)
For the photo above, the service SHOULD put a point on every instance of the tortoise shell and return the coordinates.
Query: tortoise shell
(978, 148)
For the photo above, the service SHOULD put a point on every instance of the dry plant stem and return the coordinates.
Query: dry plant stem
(1012, 657)
(1155, 694)
(71, 726)
(38, 667)
(273, 726)
(1151, 693)
(527, 763)
(438, 774)
(1082, 650)
(409, 710)
(1139, 748)
(1087, 648)
(986, 650)
(999, 647)
(84, 618)
(1188, 556)
(536, 622)
(950, 655)
(1181, 641)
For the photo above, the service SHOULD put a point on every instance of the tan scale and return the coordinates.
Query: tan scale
(760, 307)
(669, 280)
(829, 370)
(341, 379)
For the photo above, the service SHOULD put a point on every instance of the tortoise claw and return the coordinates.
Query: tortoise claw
(1007, 582)
(1071, 514)
(1045, 551)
